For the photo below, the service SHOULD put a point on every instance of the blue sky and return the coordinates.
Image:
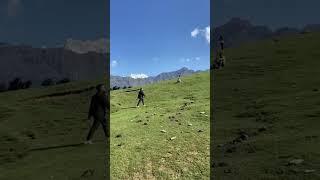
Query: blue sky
(273, 13)
(151, 36)
(50, 22)
(147, 36)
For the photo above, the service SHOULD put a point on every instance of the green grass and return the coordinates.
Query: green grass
(269, 91)
(275, 86)
(139, 150)
(28, 122)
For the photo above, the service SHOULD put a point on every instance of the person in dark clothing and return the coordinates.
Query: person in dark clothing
(98, 108)
(221, 60)
(221, 41)
(141, 96)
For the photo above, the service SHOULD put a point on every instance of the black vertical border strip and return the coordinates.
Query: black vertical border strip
(107, 85)
(212, 103)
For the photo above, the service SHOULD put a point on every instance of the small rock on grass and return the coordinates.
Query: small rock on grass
(118, 136)
(222, 164)
(200, 130)
(307, 171)
(189, 124)
(202, 112)
(295, 162)
(262, 129)
(227, 171)
(244, 136)
(163, 131)
(231, 150)
(220, 145)
(87, 173)
(173, 138)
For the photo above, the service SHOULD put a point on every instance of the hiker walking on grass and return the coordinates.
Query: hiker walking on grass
(141, 96)
(98, 107)
(221, 42)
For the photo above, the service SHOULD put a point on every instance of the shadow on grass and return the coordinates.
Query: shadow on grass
(132, 90)
(62, 146)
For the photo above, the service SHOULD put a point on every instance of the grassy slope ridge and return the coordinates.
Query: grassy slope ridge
(27, 123)
(140, 151)
(269, 91)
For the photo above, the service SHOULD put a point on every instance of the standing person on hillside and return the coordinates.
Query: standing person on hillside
(221, 42)
(141, 96)
(221, 60)
(98, 108)
(179, 79)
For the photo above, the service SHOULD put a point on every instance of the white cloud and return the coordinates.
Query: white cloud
(205, 32)
(139, 76)
(195, 32)
(114, 63)
(208, 34)
(14, 7)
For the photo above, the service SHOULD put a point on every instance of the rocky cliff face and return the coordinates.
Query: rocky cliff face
(37, 64)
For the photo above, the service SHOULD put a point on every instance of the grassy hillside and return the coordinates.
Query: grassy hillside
(139, 150)
(267, 110)
(41, 136)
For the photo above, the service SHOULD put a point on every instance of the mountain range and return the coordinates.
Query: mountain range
(74, 61)
(129, 81)
(237, 31)
(82, 47)
(87, 59)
